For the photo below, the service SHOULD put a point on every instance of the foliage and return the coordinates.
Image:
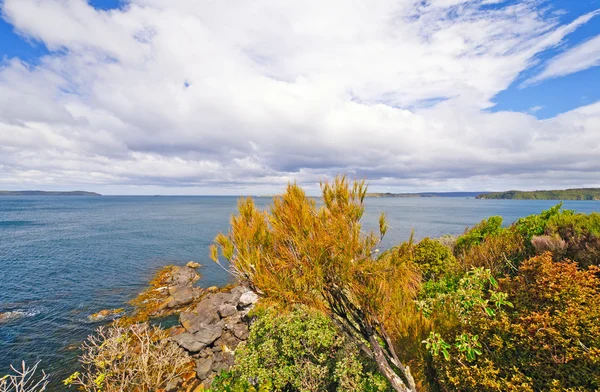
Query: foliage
(580, 234)
(24, 380)
(298, 253)
(566, 194)
(299, 351)
(543, 333)
(535, 225)
(138, 357)
(478, 233)
(500, 253)
(433, 259)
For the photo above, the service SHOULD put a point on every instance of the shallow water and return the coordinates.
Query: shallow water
(63, 258)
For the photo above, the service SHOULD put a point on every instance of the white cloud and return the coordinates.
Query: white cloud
(578, 58)
(241, 97)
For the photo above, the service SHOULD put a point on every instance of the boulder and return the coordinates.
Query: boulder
(204, 367)
(183, 276)
(226, 310)
(181, 297)
(208, 334)
(189, 342)
(204, 314)
(247, 299)
(241, 331)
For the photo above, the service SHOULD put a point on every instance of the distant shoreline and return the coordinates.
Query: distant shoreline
(48, 193)
(425, 194)
(564, 194)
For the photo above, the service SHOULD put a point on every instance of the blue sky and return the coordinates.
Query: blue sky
(156, 96)
(562, 94)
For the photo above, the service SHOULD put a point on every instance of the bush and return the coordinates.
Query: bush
(475, 235)
(24, 380)
(549, 340)
(298, 351)
(433, 259)
(581, 233)
(500, 253)
(134, 358)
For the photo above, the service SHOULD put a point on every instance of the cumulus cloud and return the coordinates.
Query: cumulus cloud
(241, 97)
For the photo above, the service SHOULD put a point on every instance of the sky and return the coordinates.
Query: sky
(190, 97)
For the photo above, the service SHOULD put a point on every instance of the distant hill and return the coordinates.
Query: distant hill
(565, 194)
(46, 193)
(427, 194)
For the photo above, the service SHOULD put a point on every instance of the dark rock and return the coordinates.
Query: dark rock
(208, 334)
(227, 310)
(181, 297)
(241, 331)
(203, 367)
(189, 342)
(183, 276)
(204, 314)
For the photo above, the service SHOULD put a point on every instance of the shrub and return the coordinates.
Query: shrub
(475, 235)
(581, 233)
(138, 357)
(433, 259)
(549, 340)
(296, 253)
(500, 253)
(535, 225)
(299, 351)
(24, 380)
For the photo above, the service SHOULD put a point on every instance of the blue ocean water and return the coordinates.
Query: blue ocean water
(63, 258)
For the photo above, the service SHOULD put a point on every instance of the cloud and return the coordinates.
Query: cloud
(207, 96)
(579, 58)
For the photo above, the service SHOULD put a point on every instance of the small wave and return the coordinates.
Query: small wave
(17, 314)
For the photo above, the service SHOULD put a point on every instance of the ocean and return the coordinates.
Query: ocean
(65, 257)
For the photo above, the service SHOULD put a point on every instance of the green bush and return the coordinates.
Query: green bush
(475, 235)
(298, 351)
(538, 332)
(433, 259)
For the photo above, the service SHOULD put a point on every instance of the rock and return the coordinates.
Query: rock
(173, 384)
(212, 289)
(240, 331)
(227, 310)
(192, 264)
(203, 367)
(208, 334)
(7, 316)
(247, 299)
(189, 342)
(103, 314)
(204, 314)
(181, 297)
(183, 276)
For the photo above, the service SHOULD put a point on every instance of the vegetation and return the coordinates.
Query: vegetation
(299, 351)
(497, 309)
(139, 357)
(296, 253)
(566, 194)
(24, 380)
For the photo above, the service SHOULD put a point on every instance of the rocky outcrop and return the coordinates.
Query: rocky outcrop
(212, 329)
(106, 314)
